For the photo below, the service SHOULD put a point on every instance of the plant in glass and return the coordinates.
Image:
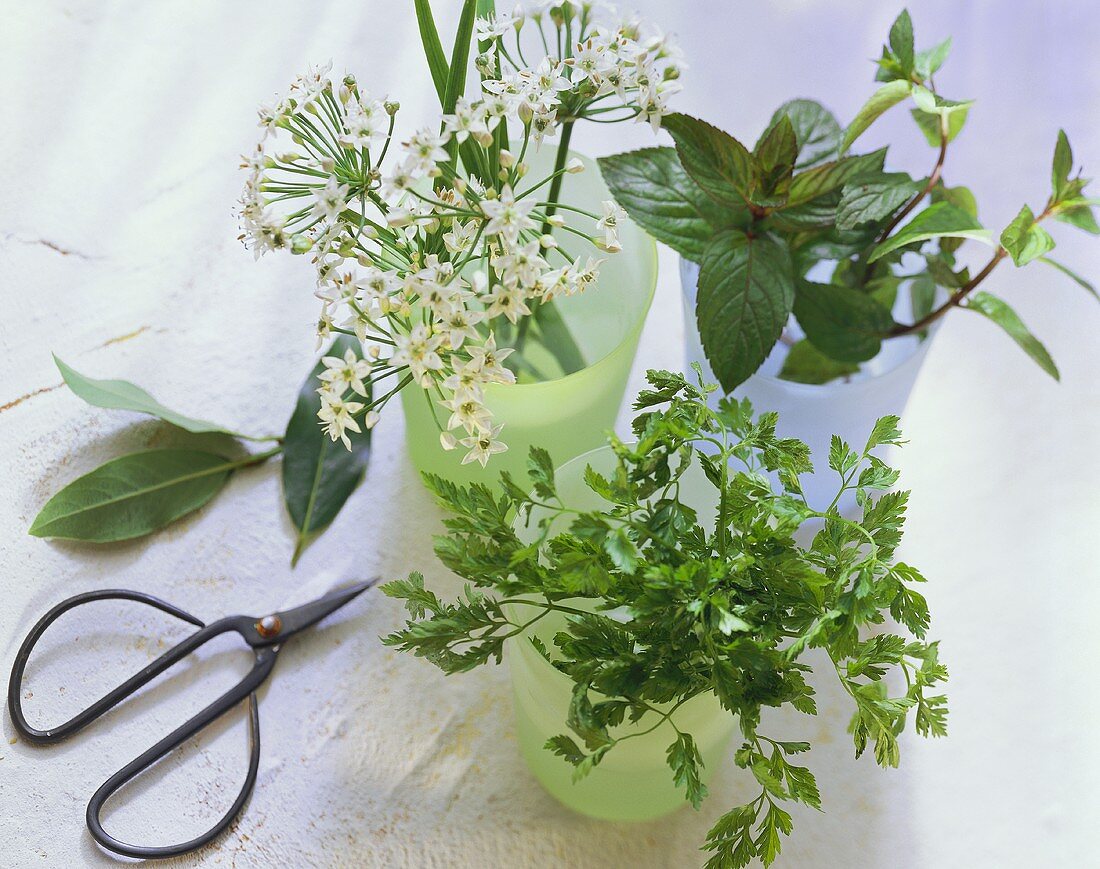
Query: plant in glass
(439, 269)
(445, 261)
(801, 241)
(656, 606)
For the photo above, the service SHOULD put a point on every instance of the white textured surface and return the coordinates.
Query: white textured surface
(123, 122)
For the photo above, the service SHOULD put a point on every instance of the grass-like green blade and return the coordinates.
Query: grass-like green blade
(460, 56)
(134, 495)
(319, 475)
(123, 395)
(433, 48)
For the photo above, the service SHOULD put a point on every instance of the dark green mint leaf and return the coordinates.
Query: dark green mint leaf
(719, 164)
(746, 289)
(844, 324)
(663, 199)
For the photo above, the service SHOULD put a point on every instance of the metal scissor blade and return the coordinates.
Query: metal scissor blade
(280, 625)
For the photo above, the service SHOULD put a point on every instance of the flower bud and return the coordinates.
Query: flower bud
(374, 351)
(507, 158)
(371, 419)
(521, 169)
(485, 64)
(327, 164)
(574, 166)
(447, 440)
(391, 107)
(548, 241)
(300, 243)
(556, 220)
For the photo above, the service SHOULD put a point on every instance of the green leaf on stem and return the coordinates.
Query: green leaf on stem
(1072, 275)
(663, 199)
(960, 197)
(816, 130)
(1061, 166)
(134, 495)
(720, 165)
(1080, 216)
(746, 289)
(842, 323)
(806, 364)
(901, 42)
(686, 763)
(1001, 314)
(874, 200)
(828, 177)
(775, 154)
(1025, 239)
(937, 221)
(934, 104)
(122, 395)
(928, 62)
(887, 96)
(930, 125)
(319, 475)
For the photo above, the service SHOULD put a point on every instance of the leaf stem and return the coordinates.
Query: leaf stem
(933, 180)
(921, 324)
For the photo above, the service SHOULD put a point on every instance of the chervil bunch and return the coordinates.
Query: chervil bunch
(658, 601)
(428, 260)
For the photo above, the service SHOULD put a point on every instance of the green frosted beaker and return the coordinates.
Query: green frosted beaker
(568, 415)
(633, 782)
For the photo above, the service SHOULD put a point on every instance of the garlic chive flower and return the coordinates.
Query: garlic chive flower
(427, 244)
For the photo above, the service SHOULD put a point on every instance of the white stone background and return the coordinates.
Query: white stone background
(123, 122)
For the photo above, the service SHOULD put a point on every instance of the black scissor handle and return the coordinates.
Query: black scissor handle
(205, 633)
(265, 661)
(85, 717)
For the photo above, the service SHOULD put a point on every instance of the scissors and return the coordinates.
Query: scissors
(265, 635)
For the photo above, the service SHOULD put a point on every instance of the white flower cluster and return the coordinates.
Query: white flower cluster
(429, 262)
(592, 64)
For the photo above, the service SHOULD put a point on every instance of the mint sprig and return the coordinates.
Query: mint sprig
(801, 196)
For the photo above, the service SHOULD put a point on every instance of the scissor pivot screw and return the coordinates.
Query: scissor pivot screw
(269, 626)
